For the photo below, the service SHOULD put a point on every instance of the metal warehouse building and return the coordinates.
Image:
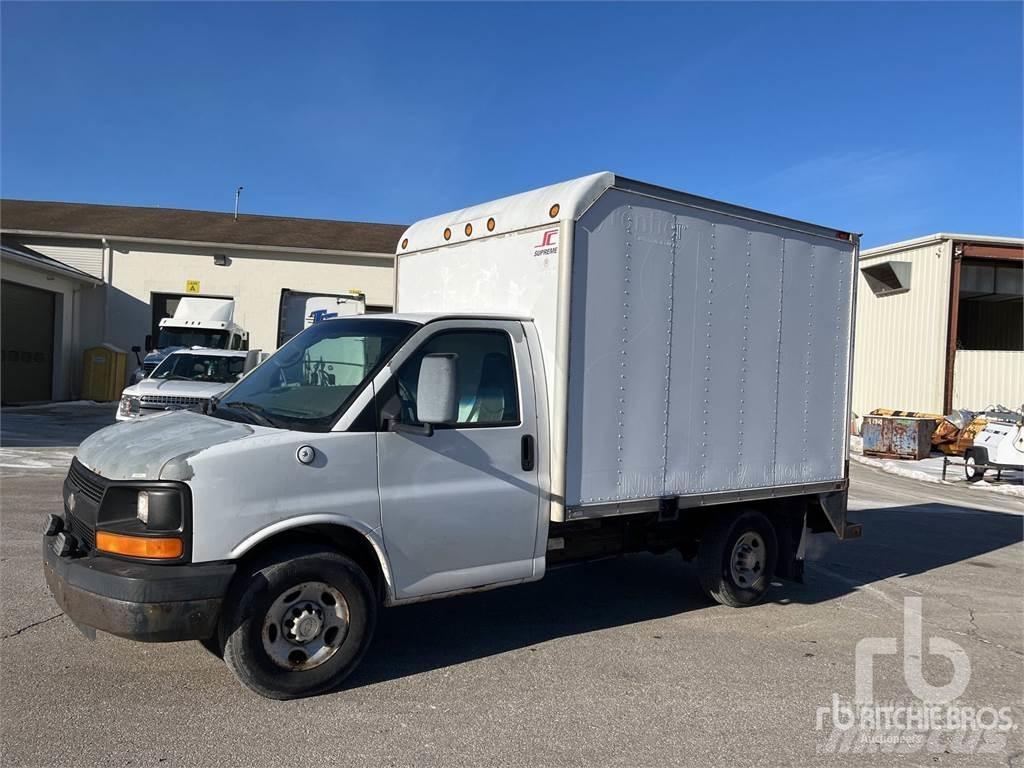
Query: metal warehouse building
(940, 324)
(76, 276)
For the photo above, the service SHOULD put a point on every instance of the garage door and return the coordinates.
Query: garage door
(27, 349)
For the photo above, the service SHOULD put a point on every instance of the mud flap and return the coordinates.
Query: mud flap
(791, 532)
(833, 505)
(88, 632)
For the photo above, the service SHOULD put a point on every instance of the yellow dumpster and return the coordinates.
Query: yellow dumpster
(103, 373)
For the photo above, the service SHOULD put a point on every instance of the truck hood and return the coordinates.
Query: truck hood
(177, 388)
(157, 447)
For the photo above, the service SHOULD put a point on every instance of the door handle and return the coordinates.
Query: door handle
(527, 453)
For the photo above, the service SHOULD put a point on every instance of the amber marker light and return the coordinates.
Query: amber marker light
(490, 224)
(554, 210)
(139, 546)
(405, 243)
(447, 233)
(469, 230)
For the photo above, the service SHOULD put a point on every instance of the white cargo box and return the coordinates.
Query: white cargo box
(692, 348)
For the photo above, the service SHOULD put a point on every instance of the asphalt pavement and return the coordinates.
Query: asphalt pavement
(619, 662)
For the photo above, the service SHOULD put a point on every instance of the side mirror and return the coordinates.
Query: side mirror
(252, 358)
(149, 342)
(437, 391)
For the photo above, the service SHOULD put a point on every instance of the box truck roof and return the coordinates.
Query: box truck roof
(202, 308)
(567, 201)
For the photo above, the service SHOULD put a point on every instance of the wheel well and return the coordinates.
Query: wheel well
(346, 540)
(787, 518)
(979, 453)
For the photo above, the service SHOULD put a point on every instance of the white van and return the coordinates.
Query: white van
(597, 367)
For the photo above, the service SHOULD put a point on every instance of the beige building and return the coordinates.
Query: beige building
(76, 275)
(940, 324)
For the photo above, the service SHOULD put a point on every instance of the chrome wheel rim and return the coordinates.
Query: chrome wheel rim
(305, 626)
(748, 559)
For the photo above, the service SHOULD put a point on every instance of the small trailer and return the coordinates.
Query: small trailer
(597, 367)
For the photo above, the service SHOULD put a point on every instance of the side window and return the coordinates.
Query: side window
(236, 341)
(486, 372)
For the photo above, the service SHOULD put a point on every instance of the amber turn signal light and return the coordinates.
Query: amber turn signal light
(139, 546)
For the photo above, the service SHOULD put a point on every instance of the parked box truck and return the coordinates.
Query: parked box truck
(198, 321)
(596, 367)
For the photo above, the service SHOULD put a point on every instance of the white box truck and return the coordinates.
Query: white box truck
(300, 309)
(198, 321)
(597, 367)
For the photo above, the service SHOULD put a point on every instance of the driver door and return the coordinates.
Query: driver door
(461, 508)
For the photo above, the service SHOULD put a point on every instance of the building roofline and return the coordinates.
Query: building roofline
(163, 209)
(178, 226)
(938, 237)
(194, 243)
(25, 255)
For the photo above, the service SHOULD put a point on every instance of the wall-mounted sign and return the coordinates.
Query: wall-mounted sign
(191, 286)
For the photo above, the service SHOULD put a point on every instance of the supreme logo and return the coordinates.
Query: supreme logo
(548, 243)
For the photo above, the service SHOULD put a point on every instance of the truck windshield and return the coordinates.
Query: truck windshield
(199, 367)
(192, 337)
(307, 383)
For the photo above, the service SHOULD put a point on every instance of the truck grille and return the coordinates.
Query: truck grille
(88, 483)
(170, 401)
(85, 535)
(87, 488)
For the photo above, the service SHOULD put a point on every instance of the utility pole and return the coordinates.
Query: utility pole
(238, 194)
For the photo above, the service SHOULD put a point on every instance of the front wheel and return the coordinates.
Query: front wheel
(736, 558)
(299, 626)
(973, 471)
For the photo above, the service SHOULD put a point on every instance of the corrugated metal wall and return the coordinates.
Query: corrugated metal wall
(900, 347)
(89, 259)
(982, 378)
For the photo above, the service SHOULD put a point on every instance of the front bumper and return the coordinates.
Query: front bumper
(151, 603)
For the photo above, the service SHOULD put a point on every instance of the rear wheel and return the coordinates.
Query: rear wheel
(213, 646)
(299, 626)
(972, 470)
(736, 558)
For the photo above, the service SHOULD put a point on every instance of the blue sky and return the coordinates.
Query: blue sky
(895, 120)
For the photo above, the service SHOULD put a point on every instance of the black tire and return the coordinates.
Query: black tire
(972, 471)
(715, 556)
(212, 646)
(252, 598)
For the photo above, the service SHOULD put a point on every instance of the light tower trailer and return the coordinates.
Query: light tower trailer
(596, 367)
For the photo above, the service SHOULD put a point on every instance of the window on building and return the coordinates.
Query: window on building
(887, 278)
(990, 315)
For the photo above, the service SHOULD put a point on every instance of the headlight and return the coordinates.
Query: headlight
(155, 509)
(130, 406)
(142, 507)
(151, 520)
